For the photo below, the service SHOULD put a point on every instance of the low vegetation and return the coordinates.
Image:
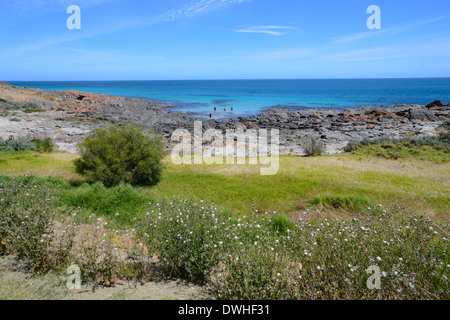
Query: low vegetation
(119, 204)
(32, 110)
(26, 222)
(26, 144)
(6, 107)
(433, 148)
(260, 256)
(309, 232)
(312, 146)
(343, 203)
(445, 125)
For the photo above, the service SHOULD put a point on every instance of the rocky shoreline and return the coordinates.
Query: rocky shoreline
(68, 116)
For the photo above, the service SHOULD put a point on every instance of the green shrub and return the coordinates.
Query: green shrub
(43, 145)
(21, 144)
(255, 272)
(186, 236)
(444, 138)
(27, 223)
(351, 145)
(445, 125)
(14, 120)
(312, 146)
(12, 144)
(257, 264)
(121, 154)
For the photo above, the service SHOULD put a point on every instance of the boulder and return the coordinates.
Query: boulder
(434, 104)
(421, 114)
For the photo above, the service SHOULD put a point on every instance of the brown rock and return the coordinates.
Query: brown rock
(434, 104)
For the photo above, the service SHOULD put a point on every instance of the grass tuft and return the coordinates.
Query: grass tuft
(119, 204)
(344, 203)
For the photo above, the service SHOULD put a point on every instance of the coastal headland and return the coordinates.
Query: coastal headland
(68, 116)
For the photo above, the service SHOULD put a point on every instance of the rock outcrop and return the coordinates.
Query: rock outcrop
(71, 114)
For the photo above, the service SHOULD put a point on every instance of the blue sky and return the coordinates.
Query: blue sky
(223, 39)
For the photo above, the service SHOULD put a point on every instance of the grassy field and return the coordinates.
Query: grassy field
(336, 184)
(308, 232)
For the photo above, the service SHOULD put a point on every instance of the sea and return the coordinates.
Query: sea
(249, 97)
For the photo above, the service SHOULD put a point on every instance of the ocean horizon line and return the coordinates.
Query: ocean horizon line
(232, 79)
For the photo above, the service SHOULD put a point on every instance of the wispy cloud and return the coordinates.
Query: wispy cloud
(271, 30)
(427, 48)
(42, 7)
(193, 9)
(387, 31)
(188, 11)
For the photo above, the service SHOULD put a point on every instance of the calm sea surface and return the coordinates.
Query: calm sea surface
(248, 97)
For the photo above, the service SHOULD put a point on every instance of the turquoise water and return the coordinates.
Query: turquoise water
(248, 97)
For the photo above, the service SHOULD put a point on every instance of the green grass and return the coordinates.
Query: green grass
(119, 204)
(15, 286)
(30, 110)
(430, 148)
(231, 244)
(405, 151)
(340, 202)
(341, 183)
(23, 162)
(301, 180)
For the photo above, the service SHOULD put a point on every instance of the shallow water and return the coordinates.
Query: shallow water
(248, 97)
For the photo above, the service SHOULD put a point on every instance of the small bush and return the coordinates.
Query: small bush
(444, 138)
(121, 154)
(43, 145)
(312, 146)
(39, 145)
(351, 146)
(445, 125)
(257, 264)
(27, 220)
(255, 272)
(12, 144)
(186, 237)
